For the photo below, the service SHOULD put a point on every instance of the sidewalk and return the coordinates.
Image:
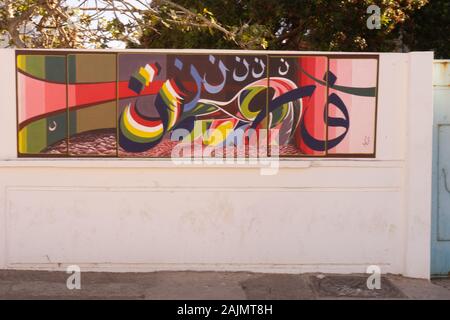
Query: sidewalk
(214, 285)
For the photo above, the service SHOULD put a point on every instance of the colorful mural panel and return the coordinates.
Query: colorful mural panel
(301, 118)
(149, 104)
(41, 98)
(92, 104)
(207, 96)
(352, 106)
(140, 127)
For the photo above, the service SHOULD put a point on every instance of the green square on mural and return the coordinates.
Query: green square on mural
(55, 69)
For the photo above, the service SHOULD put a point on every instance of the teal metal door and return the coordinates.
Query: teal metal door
(440, 242)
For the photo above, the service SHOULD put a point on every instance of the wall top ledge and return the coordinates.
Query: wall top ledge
(216, 51)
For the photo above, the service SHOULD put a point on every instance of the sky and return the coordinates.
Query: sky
(109, 14)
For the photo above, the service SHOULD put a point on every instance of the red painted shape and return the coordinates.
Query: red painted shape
(313, 107)
(90, 93)
(125, 92)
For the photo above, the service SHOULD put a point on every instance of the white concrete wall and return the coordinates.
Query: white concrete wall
(315, 215)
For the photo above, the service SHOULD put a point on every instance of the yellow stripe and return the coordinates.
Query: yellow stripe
(145, 74)
(21, 62)
(23, 140)
(172, 120)
(169, 97)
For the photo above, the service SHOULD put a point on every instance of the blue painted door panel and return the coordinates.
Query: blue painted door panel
(440, 241)
(443, 218)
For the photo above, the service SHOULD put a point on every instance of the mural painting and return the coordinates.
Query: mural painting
(148, 104)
